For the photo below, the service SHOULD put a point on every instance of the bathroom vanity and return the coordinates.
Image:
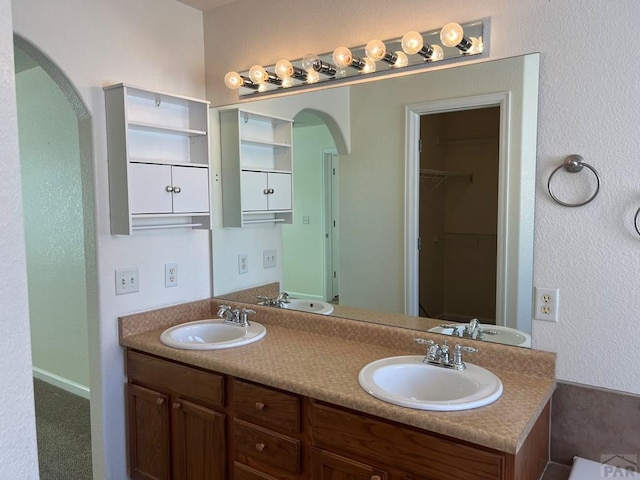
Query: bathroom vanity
(290, 407)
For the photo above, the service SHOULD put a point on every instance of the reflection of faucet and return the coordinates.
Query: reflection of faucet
(235, 316)
(472, 329)
(439, 355)
(278, 301)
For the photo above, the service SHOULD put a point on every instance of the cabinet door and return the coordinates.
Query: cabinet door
(193, 184)
(329, 466)
(198, 442)
(149, 444)
(148, 188)
(280, 185)
(254, 191)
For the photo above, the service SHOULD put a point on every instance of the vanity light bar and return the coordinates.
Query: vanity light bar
(415, 50)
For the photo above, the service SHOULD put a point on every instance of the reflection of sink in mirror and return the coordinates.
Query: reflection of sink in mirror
(408, 382)
(310, 306)
(489, 333)
(211, 335)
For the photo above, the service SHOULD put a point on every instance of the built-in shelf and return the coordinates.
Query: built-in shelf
(158, 147)
(257, 168)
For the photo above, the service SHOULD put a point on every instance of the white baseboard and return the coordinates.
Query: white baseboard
(60, 382)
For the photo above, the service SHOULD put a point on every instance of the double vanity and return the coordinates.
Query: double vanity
(295, 403)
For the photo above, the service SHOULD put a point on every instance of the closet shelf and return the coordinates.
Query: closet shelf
(439, 176)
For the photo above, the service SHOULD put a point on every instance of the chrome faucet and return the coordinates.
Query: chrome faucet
(278, 301)
(236, 316)
(440, 355)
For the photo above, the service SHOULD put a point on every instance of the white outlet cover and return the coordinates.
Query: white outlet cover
(170, 275)
(546, 304)
(243, 263)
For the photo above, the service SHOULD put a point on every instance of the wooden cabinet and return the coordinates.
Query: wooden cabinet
(329, 466)
(257, 168)
(266, 432)
(177, 431)
(174, 433)
(158, 160)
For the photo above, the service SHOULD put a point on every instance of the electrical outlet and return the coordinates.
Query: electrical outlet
(170, 275)
(269, 258)
(126, 281)
(243, 263)
(547, 303)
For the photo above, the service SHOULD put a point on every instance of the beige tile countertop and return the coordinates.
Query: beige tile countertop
(320, 357)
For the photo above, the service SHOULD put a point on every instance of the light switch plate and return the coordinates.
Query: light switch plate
(126, 281)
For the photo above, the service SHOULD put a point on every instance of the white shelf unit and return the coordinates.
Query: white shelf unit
(158, 147)
(257, 168)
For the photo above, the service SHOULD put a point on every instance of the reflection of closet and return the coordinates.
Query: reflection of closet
(458, 214)
(256, 168)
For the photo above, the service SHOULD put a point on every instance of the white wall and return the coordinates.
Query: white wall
(18, 454)
(156, 44)
(587, 105)
(53, 218)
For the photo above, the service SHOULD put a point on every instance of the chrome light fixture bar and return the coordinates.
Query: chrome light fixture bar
(414, 51)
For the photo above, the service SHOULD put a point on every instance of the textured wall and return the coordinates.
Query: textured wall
(587, 105)
(18, 455)
(53, 217)
(157, 44)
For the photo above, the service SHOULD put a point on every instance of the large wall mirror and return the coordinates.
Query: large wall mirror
(413, 199)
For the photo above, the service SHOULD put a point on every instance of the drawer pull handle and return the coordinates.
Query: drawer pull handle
(259, 447)
(159, 401)
(176, 405)
(260, 406)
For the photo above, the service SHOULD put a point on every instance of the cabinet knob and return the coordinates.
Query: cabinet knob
(177, 189)
(159, 401)
(271, 190)
(266, 191)
(260, 406)
(259, 447)
(176, 405)
(169, 188)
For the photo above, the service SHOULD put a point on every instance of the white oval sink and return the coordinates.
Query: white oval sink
(310, 306)
(407, 382)
(492, 333)
(211, 335)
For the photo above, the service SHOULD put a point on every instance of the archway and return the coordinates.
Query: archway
(58, 197)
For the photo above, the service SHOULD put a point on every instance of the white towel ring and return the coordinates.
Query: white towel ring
(574, 164)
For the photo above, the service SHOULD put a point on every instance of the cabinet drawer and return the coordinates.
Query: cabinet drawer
(256, 446)
(385, 442)
(328, 466)
(205, 388)
(242, 472)
(266, 406)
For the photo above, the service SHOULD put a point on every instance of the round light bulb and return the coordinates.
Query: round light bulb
(233, 80)
(342, 57)
(402, 59)
(375, 50)
(451, 34)
(312, 76)
(308, 60)
(412, 42)
(258, 74)
(369, 65)
(284, 69)
(438, 53)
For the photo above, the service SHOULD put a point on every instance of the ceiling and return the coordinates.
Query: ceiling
(205, 5)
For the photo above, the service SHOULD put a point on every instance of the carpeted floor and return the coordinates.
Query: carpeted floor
(64, 434)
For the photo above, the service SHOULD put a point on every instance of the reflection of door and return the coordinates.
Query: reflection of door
(331, 224)
(458, 214)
